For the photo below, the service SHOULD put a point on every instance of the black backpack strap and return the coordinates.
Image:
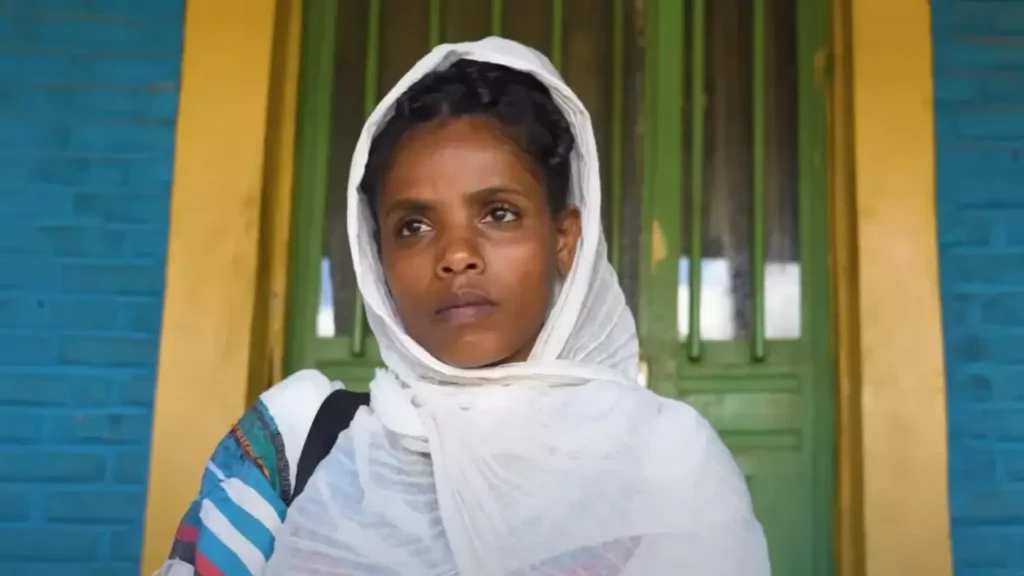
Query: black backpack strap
(334, 416)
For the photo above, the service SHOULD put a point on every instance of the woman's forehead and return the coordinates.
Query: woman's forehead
(459, 156)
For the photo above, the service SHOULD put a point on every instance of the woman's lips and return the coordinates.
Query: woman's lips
(467, 314)
(465, 306)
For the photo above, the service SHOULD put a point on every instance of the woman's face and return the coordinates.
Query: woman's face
(470, 248)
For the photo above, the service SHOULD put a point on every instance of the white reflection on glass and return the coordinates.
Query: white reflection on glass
(325, 309)
(718, 317)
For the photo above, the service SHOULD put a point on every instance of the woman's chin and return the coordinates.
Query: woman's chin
(478, 348)
(474, 354)
(474, 361)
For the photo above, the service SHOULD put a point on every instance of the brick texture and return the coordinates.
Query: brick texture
(88, 98)
(979, 120)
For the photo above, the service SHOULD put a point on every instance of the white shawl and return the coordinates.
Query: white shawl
(559, 465)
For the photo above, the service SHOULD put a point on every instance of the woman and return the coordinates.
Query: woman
(507, 434)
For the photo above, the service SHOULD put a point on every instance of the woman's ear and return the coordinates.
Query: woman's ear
(567, 229)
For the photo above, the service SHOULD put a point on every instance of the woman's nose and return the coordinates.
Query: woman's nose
(460, 258)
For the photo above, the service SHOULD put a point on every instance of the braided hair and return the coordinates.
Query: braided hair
(520, 104)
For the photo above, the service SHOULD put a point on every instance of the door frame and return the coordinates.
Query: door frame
(226, 282)
(893, 500)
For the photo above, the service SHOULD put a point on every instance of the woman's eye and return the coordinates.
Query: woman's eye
(501, 214)
(412, 228)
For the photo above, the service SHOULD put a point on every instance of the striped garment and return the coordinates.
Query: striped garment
(230, 528)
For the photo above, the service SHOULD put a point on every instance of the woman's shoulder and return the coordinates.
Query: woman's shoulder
(248, 480)
(296, 394)
(678, 415)
(286, 411)
(700, 446)
(271, 433)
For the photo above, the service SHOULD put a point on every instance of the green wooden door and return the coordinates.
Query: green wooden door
(710, 117)
(736, 169)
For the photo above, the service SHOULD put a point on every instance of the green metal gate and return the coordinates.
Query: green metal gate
(711, 122)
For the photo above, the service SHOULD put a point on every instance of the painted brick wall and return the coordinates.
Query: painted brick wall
(88, 96)
(979, 109)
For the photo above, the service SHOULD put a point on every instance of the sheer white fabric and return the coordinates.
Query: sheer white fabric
(558, 465)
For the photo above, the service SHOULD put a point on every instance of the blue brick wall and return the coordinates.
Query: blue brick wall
(88, 97)
(979, 118)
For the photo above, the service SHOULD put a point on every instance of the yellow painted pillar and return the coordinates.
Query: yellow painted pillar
(901, 372)
(233, 147)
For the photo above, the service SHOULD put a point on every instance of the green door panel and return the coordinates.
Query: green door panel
(710, 117)
(735, 180)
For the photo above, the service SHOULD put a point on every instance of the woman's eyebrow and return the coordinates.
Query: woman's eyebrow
(422, 206)
(408, 206)
(484, 194)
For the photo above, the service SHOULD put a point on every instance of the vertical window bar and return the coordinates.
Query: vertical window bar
(696, 220)
(434, 23)
(757, 249)
(312, 180)
(369, 101)
(557, 26)
(617, 136)
(497, 16)
(664, 49)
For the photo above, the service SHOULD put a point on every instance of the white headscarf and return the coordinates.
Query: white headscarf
(549, 466)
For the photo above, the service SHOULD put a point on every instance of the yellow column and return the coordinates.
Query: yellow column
(902, 377)
(232, 167)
